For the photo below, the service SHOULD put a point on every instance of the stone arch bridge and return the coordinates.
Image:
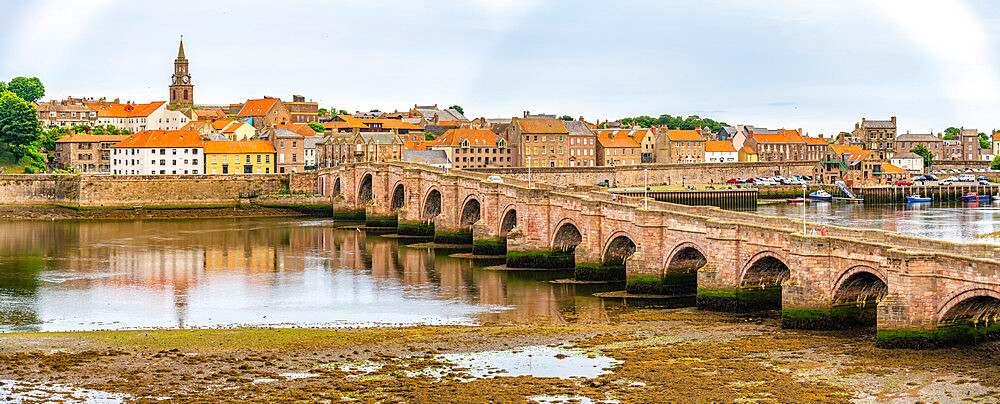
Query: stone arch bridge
(919, 292)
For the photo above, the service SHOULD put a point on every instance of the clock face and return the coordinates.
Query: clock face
(185, 79)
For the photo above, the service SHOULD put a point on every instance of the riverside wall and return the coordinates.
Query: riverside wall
(673, 174)
(142, 190)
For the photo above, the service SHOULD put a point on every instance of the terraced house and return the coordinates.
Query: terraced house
(85, 153)
(240, 157)
(619, 147)
(159, 152)
(551, 142)
(680, 146)
(474, 148)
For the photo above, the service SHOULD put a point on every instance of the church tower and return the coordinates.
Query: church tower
(181, 89)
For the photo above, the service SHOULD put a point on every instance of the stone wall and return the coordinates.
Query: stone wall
(948, 164)
(673, 174)
(137, 190)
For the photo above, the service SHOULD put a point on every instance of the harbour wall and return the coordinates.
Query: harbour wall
(659, 174)
(147, 190)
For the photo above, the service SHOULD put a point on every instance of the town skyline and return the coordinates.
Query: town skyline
(497, 60)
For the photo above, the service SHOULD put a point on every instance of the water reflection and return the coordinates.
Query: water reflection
(949, 221)
(206, 273)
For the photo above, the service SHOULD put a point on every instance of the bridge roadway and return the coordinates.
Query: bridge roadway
(919, 292)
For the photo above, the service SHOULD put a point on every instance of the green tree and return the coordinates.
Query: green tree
(995, 164)
(458, 108)
(19, 126)
(342, 112)
(922, 151)
(950, 133)
(324, 113)
(317, 127)
(50, 136)
(567, 118)
(3, 87)
(29, 90)
(429, 136)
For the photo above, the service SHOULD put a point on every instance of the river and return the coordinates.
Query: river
(99, 275)
(963, 222)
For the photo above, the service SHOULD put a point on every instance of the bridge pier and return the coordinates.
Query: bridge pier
(523, 253)
(486, 242)
(446, 232)
(379, 217)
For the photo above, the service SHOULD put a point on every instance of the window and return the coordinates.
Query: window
(163, 151)
(195, 162)
(258, 159)
(248, 159)
(162, 162)
(267, 158)
(294, 144)
(173, 151)
(214, 160)
(281, 144)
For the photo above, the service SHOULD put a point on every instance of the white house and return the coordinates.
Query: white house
(159, 152)
(720, 151)
(908, 161)
(140, 117)
(309, 149)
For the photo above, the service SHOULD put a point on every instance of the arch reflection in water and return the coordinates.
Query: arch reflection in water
(230, 272)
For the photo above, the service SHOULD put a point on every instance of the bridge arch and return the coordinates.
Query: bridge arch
(567, 236)
(336, 187)
(856, 295)
(618, 248)
(765, 267)
(365, 189)
(971, 304)
(471, 211)
(432, 205)
(508, 220)
(398, 198)
(681, 266)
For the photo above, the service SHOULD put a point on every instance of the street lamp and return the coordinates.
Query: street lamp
(803, 209)
(645, 189)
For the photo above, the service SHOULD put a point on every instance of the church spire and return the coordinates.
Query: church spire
(180, 51)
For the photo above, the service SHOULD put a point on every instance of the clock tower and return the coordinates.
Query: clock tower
(181, 89)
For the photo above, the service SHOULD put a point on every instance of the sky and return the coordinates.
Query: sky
(816, 65)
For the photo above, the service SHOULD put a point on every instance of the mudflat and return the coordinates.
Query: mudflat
(644, 355)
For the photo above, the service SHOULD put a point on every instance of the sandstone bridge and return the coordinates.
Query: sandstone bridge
(918, 292)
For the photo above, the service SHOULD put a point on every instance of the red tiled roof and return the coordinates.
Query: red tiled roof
(220, 124)
(300, 128)
(617, 139)
(476, 138)
(257, 107)
(239, 147)
(767, 138)
(748, 150)
(815, 140)
(719, 146)
(541, 125)
(162, 138)
(84, 138)
(234, 127)
(129, 110)
(891, 169)
(683, 134)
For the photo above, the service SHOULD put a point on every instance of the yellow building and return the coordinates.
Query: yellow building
(748, 155)
(240, 157)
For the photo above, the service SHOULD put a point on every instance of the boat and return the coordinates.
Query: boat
(795, 200)
(996, 197)
(821, 195)
(917, 198)
(973, 197)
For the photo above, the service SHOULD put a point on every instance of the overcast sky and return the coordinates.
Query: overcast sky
(819, 65)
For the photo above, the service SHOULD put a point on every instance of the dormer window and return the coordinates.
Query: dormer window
(464, 143)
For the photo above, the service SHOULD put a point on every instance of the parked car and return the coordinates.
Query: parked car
(985, 182)
(982, 178)
(903, 183)
(734, 181)
(967, 178)
(952, 179)
(603, 184)
(946, 182)
(494, 178)
(931, 177)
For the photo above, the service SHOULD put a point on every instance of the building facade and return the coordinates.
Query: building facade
(619, 147)
(474, 148)
(908, 141)
(680, 146)
(878, 136)
(239, 157)
(158, 152)
(263, 113)
(720, 151)
(302, 111)
(66, 113)
(85, 153)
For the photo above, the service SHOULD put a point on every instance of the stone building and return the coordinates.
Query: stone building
(543, 141)
(879, 136)
(84, 153)
(474, 148)
(971, 148)
(907, 141)
(263, 113)
(139, 117)
(619, 147)
(289, 148)
(65, 113)
(302, 111)
(680, 146)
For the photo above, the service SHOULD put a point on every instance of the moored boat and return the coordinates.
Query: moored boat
(973, 197)
(821, 195)
(917, 198)
(795, 200)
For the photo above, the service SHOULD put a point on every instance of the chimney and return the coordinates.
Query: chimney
(893, 121)
(526, 113)
(858, 125)
(581, 119)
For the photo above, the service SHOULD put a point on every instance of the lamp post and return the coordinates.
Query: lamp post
(645, 189)
(803, 209)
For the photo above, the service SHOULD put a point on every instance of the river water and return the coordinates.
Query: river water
(59, 276)
(965, 222)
